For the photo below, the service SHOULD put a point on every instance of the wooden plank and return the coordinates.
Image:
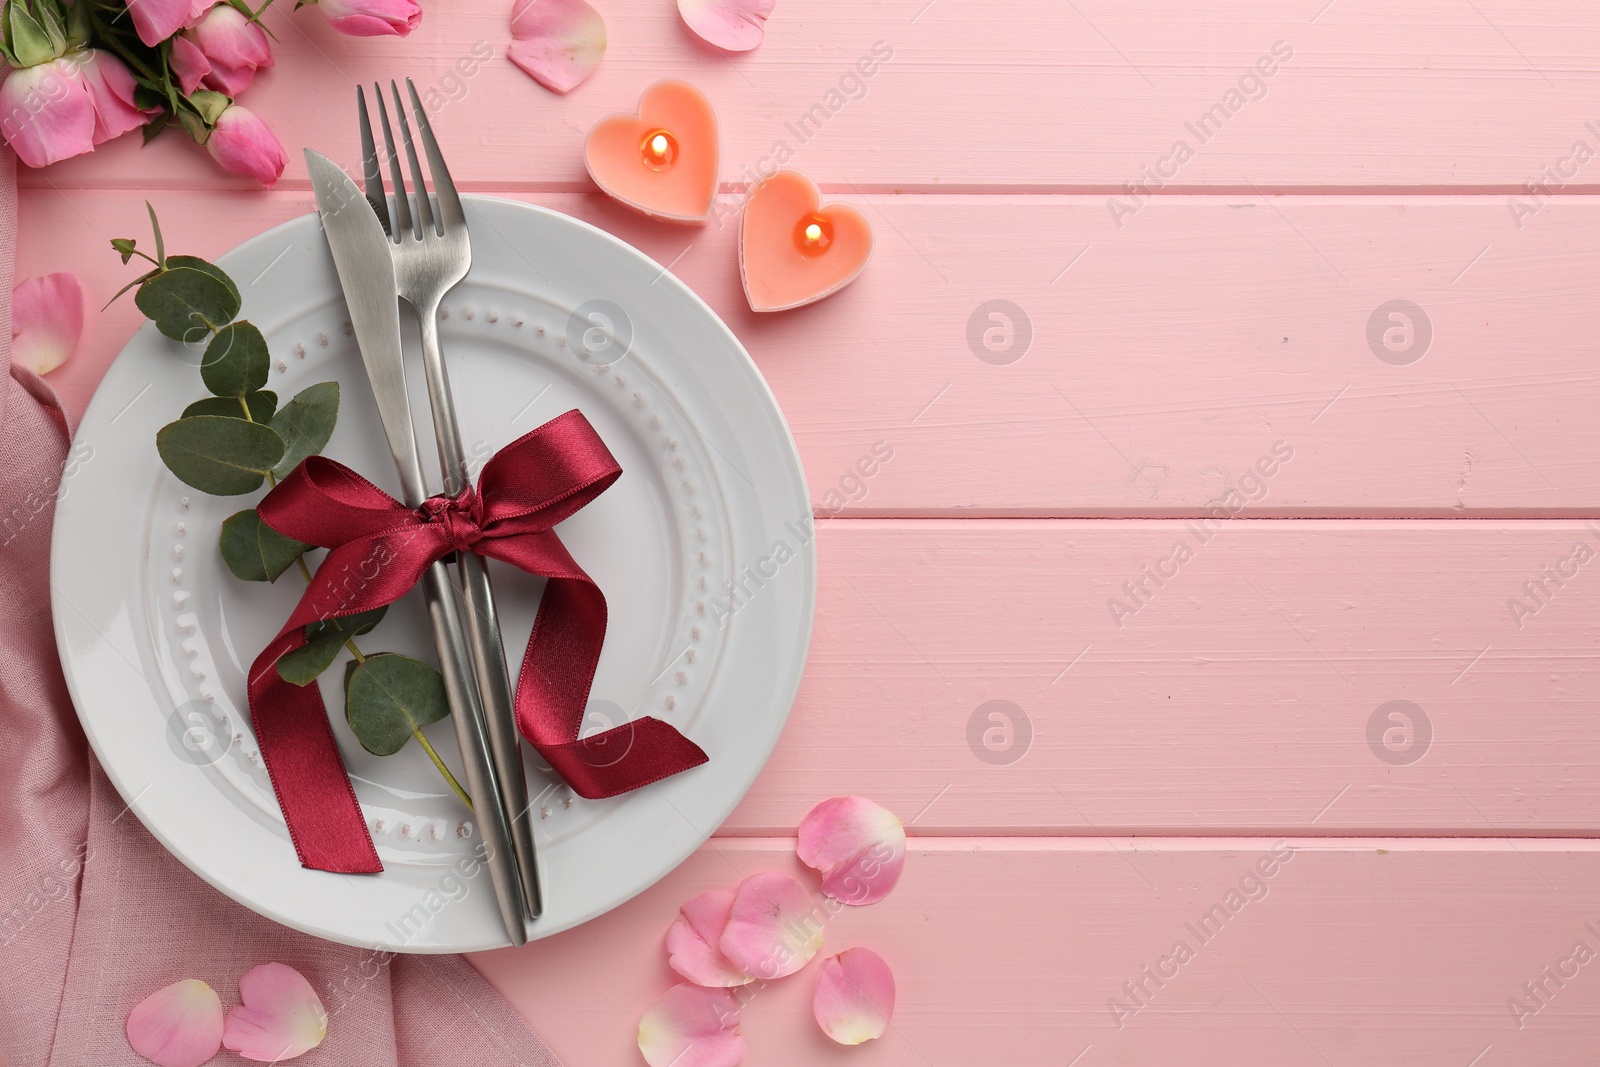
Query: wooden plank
(1238, 696)
(1166, 360)
(1375, 93)
(1367, 952)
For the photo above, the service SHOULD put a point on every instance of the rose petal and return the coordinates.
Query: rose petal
(156, 20)
(734, 25)
(46, 321)
(179, 1026)
(557, 42)
(858, 846)
(281, 1015)
(47, 112)
(854, 997)
(111, 85)
(692, 941)
(188, 62)
(692, 1027)
(774, 928)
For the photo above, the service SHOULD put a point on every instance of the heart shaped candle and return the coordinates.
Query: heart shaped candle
(663, 160)
(794, 250)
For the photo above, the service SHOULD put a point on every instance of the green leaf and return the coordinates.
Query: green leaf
(254, 551)
(29, 41)
(305, 424)
(324, 639)
(155, 125)
(124, 246)
(196, 263)
(262, 404)
(387, 696)
(187, 303)
(54, 27)
(210, 104)
(155, 226)
(236, 360)
(220, 456)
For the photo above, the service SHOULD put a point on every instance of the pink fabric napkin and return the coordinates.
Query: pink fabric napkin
(94, 913)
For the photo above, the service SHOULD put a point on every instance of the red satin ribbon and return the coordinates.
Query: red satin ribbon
(379, 549)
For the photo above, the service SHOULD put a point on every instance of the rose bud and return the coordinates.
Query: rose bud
(372, 18)
(222, 51)
(156, 20)
(244, 144)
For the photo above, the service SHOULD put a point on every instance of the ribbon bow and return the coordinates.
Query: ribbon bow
(379, 549)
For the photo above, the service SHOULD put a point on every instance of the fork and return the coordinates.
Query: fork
(430, 256)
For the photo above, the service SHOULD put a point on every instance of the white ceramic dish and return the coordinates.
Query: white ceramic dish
(155, 635)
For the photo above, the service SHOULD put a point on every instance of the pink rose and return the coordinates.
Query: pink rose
(222, 51)
(372, 18)
(67, 106)
(244, 144)
(156, 20)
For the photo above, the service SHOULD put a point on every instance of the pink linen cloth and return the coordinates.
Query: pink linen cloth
(94, 913)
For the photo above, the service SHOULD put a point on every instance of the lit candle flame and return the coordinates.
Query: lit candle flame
(813, 233)
(658, 145)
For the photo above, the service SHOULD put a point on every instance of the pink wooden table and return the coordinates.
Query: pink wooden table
(1171, 715)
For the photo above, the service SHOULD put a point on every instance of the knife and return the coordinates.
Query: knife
(366, 274)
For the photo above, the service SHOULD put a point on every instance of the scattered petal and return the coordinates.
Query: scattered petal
(692, 1027)
(179, 1026)
(855, 996)
(734, 25)
(692, 941)
(774, 928)
(279, 1018)
(372, 18)
(858, 846)
(46, 321)
(557, 42)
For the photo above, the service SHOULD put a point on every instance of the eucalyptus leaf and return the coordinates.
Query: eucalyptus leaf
(125, 247)
(263, 403)
(387, 696)
(204, 267)
(254, 551)
(305, 424)
(217, 455)
(236, 360)
(186, 303)
(324, 639)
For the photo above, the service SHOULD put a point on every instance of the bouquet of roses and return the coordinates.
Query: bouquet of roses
(80, 72)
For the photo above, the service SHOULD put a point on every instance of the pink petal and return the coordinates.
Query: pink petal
(855, 996)
(156, 20)
(188, 62)
(244, 144)
(372, 18)
(692, 941)
(110, 84)
(557, 42)
(731, 24)
(179, 1026)
(692, 1027)
(47, 112)
(774, 928)
(46, 321)
(858, 846)
(280, 1017)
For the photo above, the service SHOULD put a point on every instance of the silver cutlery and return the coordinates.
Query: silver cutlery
(361, 255)
(431, 252)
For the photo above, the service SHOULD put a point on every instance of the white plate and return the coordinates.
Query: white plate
(155, 634)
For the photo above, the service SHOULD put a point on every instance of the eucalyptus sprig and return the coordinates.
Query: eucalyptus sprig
(238, 439)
